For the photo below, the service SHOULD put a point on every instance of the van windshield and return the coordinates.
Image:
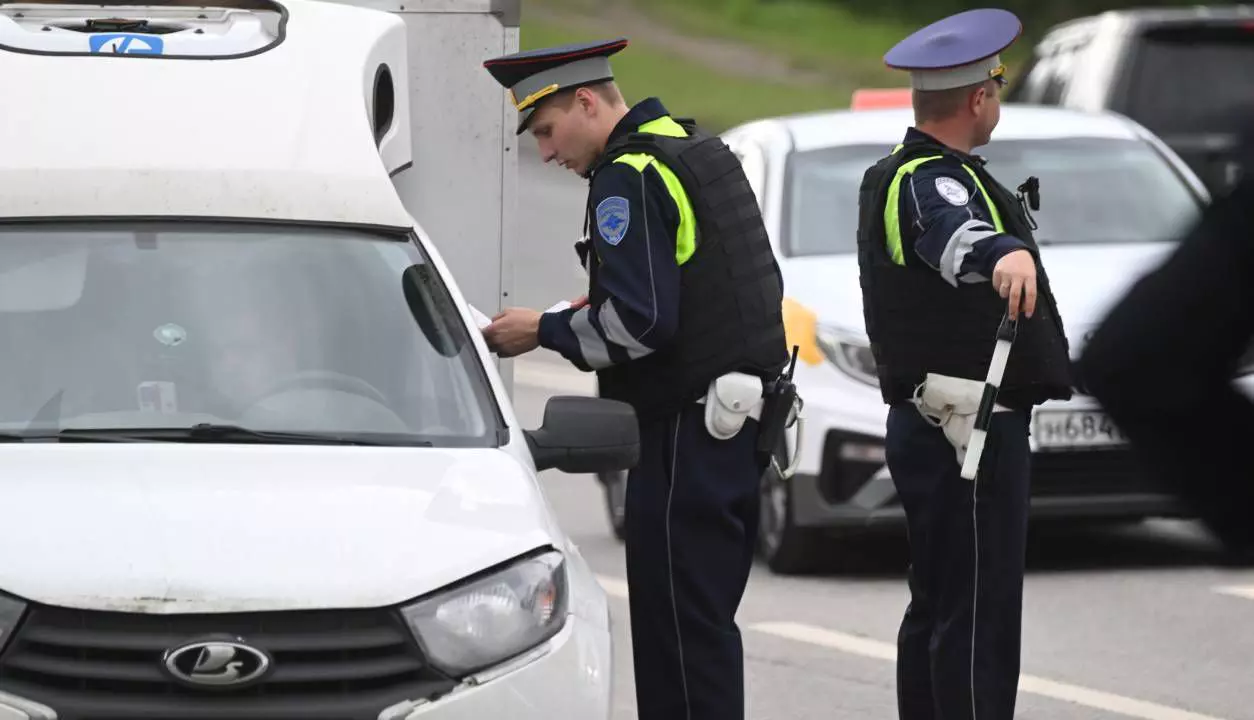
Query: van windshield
(331, 332)
(1092, 190)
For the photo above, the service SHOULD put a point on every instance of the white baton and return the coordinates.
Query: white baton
(984, 416)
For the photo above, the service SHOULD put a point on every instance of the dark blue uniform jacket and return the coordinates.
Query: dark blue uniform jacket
(945, 221)
(633, 233)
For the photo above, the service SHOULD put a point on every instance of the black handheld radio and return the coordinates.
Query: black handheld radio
(779, 398)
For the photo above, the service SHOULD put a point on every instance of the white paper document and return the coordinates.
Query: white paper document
(483, 321)
(480, 319)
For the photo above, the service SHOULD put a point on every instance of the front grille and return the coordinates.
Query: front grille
(327, 665)
(1089, 472)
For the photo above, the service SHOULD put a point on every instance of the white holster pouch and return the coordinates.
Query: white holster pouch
(731, 400)
(951, 403)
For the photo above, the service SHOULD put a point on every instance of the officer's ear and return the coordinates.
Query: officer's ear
(585, 101)
(989, 91)
(977, 98)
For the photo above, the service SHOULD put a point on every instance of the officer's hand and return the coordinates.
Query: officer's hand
(513, 331)
(579, 302)
(1014, 278)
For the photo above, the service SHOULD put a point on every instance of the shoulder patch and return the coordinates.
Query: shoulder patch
(613, 219)
(953, 191)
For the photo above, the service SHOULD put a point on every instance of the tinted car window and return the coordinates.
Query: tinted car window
(1193, 79)
(1092, 190)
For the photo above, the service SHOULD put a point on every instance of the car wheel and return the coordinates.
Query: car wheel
(787, 549)
(615, 487)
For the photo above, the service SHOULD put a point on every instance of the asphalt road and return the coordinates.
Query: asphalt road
(1134, 623)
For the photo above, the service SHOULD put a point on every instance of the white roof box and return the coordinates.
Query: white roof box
(307, 129)
(174, 30)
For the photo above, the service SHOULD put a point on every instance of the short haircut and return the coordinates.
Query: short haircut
(607, 90)
(937, 105)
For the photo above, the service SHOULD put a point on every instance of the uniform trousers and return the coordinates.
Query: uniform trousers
(958, 648)
(691, 520)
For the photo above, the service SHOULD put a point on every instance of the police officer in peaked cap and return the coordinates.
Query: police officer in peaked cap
(683, 320)
(947, 257)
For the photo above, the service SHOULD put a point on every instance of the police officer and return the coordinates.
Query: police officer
(946, 253)
(683, 320)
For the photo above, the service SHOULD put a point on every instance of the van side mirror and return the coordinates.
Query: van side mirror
(586, 435)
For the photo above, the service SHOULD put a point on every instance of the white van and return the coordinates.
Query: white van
(257, 460)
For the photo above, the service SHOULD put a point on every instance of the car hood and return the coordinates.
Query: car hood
(176, 528)
(1086, 280)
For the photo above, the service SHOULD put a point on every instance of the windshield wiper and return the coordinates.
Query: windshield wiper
(224, 432)
(67, 435)
(202, 432)
(215, 432)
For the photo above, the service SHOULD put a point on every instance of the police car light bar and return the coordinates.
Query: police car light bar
(178, 29)
(873, 98)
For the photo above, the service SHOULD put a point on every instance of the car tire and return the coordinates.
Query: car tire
(786, 548)
(615, 487)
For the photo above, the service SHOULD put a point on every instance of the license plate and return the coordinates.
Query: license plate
(1074, 429)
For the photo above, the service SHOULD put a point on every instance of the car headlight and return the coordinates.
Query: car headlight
(850, 352)
(494, 618)
(11, 610)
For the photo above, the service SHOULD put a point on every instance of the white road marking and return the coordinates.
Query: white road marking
(1117, 704)
(829, 639)
(879, 650)
(1241, 591)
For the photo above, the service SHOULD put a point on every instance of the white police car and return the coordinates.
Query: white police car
(1113, 198)
(255, 461)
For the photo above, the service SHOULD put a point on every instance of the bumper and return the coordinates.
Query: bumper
(842, 482)
(571, 674)
(812, 510)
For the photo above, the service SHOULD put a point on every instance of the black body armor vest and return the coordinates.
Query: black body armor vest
(918, 323)
(731, 290)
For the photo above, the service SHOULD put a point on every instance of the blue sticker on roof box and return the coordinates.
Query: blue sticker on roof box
(127, 44)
